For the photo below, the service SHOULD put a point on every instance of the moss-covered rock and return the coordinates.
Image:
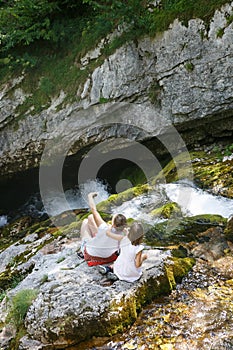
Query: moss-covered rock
(92, 309)
(178, 168)
(167, 211)
(14, 231)
(213, 173)
(229, 229)
(175, 231)
(118, 199)
(180, 267)
(207, 169)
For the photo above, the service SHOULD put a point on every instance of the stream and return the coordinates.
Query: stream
(191, 199)
(197, 315)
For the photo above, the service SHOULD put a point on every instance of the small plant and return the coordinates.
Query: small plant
(103, 100)
(189, 66)
(229, 19)
(12, 262)
(62, 258)
(154, 93)
(220, 33)
(218, 152)
(20, 304)
(44, 279)
(2, 295)
(46, 86)
(228, 150)
(203, 34)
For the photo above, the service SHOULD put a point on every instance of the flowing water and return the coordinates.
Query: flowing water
(197, 315)
(56, 202)
(192, 200)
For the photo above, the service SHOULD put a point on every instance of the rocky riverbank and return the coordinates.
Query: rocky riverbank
(71, 301)
(64, 303)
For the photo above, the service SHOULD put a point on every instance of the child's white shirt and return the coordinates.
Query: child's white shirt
(124, 267)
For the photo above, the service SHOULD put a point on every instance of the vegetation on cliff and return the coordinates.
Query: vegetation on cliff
(47, 39)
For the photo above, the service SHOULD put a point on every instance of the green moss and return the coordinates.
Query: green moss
(103, 100)
(133, 174)
(118, 199)
(10, 279)
(167, 211)
(179, 268)
(229, 230)
(154, 93)
(179, 251)
(211, 172)
(125, 311)
(19, 306)
(207, 170)
(178, 168)
(176, 231)
(189, 66)
(220, 32)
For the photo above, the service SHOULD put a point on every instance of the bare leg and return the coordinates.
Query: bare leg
(85, 231)
(92, 225)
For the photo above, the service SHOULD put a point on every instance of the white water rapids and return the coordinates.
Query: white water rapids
(192, 200)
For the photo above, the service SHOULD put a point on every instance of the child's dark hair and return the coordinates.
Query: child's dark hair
(120, 222)
(135, 234)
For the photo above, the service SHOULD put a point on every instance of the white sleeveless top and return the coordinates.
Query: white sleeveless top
(101, 245)
(124, 267)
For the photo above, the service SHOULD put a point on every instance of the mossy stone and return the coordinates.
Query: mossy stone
(175, 231)
(208, 171)
(118, 199)
(229, 230)
(180, 267)
(167, 211)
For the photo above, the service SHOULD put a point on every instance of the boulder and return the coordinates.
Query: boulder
(75, 302)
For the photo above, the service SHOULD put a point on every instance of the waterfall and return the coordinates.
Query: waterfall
(3, 220)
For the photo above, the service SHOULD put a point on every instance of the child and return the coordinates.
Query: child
(127, 267)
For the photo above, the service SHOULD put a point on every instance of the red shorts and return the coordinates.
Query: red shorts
(96, 260)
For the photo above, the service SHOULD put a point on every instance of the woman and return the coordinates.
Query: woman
(97, 247)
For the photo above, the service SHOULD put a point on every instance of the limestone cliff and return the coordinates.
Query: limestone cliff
(182, 77)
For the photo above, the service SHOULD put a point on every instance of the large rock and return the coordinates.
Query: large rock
(181, 75)
(74, 301)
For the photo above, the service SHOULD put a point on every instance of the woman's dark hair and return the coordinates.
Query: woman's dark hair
(135, 234)
(120, 222)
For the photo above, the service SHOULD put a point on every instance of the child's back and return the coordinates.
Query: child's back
(125, 267)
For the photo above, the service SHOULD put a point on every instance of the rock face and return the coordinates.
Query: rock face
(182, 75)
(73, 305)
(75, 302)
